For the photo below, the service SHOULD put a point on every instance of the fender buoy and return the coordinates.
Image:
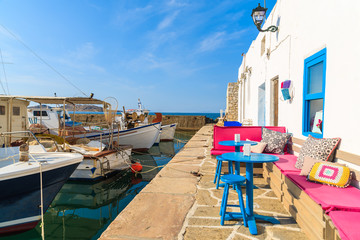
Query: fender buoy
(136, 167)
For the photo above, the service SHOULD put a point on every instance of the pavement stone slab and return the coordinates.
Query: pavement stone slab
(145, 217)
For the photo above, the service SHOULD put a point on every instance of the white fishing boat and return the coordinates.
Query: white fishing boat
(139, 117)
(29, 182)
(54, 121)
(168, 132)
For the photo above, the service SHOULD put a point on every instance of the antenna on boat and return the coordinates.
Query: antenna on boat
(139, 104)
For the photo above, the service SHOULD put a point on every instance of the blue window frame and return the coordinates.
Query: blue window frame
(314, 94)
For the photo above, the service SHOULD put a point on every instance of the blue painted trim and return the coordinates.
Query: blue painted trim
(309, 62)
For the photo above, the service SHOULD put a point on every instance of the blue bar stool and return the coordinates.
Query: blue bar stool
(237, 180)
(218, 170)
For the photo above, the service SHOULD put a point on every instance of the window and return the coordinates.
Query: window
(2, 110)
(314, 94)
(42, 113)
(16, 111)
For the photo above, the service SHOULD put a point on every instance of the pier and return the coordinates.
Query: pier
(181, 202)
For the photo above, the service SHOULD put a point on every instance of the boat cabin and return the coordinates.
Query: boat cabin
(13, 114)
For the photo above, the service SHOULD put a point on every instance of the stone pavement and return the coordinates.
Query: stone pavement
(181, 202)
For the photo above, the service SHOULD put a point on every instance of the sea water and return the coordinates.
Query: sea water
(83, 210)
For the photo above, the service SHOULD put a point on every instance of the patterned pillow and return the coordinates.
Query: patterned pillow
(275, 141)
(330, 174)
(318, 148)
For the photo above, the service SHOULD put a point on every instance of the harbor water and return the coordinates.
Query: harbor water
(83, 210)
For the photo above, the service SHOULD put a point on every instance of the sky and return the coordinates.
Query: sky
(175, 55)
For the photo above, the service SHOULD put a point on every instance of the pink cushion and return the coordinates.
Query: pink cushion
(330, 198)
(252, 133)
(347, 224)
(219, 151)
(286, 163)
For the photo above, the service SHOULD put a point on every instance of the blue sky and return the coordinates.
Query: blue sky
(176, 55)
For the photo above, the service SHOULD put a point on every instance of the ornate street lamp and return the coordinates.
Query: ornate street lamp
(258, 15)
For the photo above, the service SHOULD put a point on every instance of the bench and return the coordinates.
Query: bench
(253, 133)
(317, 208)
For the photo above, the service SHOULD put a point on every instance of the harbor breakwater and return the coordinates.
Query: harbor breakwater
(185, 122)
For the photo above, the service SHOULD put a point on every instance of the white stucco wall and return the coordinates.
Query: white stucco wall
(305, 27)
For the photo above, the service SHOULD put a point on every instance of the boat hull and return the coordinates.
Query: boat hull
(97, 168)
(20, 198)
(141, 138)
(168, 132)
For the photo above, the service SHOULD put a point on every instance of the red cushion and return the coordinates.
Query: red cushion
(330, 198)
(347, 224)
(252, 133)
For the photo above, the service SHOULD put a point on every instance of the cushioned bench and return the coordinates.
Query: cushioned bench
(322, 211)
(252, 133)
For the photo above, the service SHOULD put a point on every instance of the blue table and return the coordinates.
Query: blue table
(250, 160)
(237, 145)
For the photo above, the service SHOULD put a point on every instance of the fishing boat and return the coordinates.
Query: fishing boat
(139, 117)
(168, 132)
(54, 121)
(100, 162)
(29, 181)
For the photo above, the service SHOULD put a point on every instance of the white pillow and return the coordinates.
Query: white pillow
(259, 148)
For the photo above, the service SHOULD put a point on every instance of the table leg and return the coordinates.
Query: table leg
(250, 202)
(237, 164)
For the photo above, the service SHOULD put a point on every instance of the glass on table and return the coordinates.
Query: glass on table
(237, 137)
(247, 149)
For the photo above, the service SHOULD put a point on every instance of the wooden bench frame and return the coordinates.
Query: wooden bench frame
(307, 213)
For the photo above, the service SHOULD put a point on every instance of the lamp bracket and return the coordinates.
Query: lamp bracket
(269, 29)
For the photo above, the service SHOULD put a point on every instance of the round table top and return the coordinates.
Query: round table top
(253, 158)
(236, 144)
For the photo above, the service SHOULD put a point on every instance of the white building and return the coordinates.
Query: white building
(317, 47)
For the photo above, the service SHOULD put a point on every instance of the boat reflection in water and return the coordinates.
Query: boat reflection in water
(83, 210)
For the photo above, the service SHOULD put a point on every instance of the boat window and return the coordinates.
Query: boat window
(2, 110)
(43, 113)
(16, 111)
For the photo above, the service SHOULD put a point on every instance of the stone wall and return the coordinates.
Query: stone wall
(184, 122)
(232, 101)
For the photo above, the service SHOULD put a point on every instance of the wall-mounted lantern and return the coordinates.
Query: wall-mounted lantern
(258, 15)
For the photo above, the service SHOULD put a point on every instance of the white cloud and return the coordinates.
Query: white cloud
(212, 42)
(84, 52)
(149, 61)
(176, 3)
(168, 20)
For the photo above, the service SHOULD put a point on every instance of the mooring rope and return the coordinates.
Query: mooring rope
(42, 225)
